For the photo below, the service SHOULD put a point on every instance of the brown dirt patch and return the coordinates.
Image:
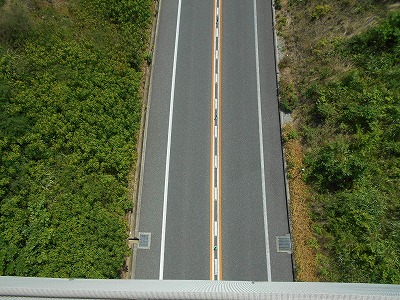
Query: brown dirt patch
(302, 234)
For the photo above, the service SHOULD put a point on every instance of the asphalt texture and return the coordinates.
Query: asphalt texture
(243, 234)
(187, 248)
(187, 235)
(151, 189)
(187, 226)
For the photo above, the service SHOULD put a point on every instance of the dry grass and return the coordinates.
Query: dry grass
(302, 234)
(59, 5)
(310, 32)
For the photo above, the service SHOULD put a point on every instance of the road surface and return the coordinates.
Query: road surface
(213, 121)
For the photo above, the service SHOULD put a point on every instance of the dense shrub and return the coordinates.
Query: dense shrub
(69, 114)
(288, 99)
(354, 159)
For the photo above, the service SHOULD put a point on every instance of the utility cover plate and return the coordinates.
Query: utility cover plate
(284, 244)
(144, 240)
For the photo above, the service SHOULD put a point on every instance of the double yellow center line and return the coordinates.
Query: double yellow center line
(215, 149)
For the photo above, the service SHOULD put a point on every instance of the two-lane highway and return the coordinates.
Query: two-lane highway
(212, 189)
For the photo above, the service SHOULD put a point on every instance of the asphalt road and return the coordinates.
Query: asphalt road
(187, 226)
(151, 187)
(243, 225)
(187, 231)
(175, 187)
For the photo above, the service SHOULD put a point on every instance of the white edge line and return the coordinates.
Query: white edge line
(171, 112)
(267, 250)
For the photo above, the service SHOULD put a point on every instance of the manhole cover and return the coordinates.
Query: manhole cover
(284, 243)
(144, 240)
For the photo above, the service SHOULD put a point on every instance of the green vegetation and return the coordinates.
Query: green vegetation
(348, 84)
(288, 98)
(70, 74)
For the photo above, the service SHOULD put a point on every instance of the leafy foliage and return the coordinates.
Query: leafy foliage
(384, 38)
(69, 113)
(354, 159)
(288, 98)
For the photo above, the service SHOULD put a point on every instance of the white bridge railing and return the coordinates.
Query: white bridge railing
(51, 288)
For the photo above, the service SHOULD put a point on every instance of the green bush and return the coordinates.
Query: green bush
(321, 11)
(288, 99)
(335, 166)
(148, 57)
(382, 38)
(362, 240)
(353, 135)
(278, 5)
(293, 135)
(69, 114)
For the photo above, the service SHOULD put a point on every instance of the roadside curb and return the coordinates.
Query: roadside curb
(134, 216)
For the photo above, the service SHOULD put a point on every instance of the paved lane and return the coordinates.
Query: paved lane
(187, 215)
(151, 189)
(281, 263)
(187, 233)
(246, 251)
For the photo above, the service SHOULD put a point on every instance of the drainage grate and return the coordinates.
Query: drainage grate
(144, 240)
(284, 244)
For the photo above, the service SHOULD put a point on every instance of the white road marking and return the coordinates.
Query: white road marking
(215, 228)
(171, 112)
(267, 250)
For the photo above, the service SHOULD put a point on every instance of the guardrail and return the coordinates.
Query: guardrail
(46, 288)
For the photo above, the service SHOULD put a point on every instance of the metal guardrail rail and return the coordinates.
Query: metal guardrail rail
(52, 288)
